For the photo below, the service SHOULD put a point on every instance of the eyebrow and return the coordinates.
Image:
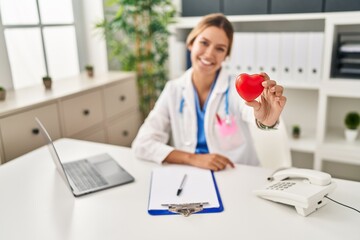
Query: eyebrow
(219, 45)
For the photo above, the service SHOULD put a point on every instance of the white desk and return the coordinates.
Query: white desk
(36, 204)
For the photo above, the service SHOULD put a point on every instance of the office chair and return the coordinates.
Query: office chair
(272, 146)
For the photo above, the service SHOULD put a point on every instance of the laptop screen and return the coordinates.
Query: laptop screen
(52, 150)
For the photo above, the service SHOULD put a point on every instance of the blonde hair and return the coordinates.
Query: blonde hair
(212, 20)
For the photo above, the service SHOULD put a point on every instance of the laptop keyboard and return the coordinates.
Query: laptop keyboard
(84, 176)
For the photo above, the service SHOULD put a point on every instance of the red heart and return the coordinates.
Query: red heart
(249, 86)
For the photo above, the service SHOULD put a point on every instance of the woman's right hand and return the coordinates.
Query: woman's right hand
(213, 162)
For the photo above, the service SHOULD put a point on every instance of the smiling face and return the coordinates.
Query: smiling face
(209, 50)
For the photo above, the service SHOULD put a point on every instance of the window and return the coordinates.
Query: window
(40, 39)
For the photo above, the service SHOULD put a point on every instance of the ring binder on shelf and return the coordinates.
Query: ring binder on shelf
(199, 195)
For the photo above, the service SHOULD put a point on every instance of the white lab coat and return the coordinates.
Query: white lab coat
(166, 128)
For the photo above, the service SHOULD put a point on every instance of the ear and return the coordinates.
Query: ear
(189, 47)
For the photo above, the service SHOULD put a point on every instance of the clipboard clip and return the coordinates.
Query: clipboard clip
(186, 209)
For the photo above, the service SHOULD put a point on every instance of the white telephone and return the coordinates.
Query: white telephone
(303, 188)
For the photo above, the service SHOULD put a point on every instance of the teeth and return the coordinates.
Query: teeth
(205, 62)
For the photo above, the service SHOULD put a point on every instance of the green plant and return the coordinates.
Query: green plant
(137, 37)
(89, 67)
(296, 131)
(352, 120)
(46, 78)
(2, 93)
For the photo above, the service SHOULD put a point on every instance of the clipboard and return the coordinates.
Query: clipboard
(200, 193)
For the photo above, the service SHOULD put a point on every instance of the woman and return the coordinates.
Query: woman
(201, 114)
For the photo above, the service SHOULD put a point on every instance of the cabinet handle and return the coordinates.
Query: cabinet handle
(300, 70)
(314, 70)
(35, 131)
(125, 133)
(86, 112)
(273, 69)
(122, 98)
(286, 69)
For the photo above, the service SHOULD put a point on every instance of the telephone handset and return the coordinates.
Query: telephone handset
(303, 188)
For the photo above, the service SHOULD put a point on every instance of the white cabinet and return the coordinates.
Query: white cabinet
(81, 112)
(102, 109)
(20, 134)
(316, 101)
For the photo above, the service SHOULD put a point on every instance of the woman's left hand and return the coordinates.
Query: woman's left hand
(268, 109)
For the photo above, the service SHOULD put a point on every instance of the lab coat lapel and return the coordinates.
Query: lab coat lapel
(189, 114)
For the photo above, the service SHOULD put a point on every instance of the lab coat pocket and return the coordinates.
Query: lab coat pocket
(229, 136)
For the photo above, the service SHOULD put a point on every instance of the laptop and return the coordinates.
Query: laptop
(92, 174)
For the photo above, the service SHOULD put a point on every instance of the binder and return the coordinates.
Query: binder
(300, 66)
(273, 55)
(200, 193)
(261, 47)
(286, 57)
(246, 52)
(316, 47)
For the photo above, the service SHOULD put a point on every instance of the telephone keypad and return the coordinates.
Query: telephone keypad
(281, 185)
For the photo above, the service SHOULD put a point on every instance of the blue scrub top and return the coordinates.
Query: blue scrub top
(201, 146)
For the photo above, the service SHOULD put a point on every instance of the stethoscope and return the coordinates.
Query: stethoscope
(226, 104)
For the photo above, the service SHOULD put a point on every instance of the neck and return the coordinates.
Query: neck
(203, 82)
(202, 85)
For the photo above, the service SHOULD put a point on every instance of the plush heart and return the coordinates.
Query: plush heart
(249, 86)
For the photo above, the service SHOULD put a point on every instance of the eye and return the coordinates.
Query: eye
(221, 49)
(204, 43)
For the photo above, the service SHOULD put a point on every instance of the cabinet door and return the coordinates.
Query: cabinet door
(20, 133)
(124, 130)
(82, 112)
(199, 7)
(97, 136)
(241, 7)
(295, 6)
(341, 5)
(120, 98)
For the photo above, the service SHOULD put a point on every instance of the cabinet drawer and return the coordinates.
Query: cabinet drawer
(120, 98)
(20, 133)
(82, 112)
(93, 136)
(124, 130)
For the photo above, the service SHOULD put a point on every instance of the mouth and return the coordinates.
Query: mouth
(206, 62)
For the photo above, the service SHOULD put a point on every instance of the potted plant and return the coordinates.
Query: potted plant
(296, 131)
(47, 82)
(352, 122)
(89, 70)
(2, 93)
(137, 34)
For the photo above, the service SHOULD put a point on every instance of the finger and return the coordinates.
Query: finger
(254, 104)
(282, 101)
(230, 163)
(266, 77)
(277, 90)
(219, 164)
(268, 83)
(225, 161)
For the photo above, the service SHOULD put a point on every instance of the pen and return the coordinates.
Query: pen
(218, 119)
(181, 185)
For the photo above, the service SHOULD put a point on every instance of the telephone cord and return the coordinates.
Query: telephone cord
(343, 204)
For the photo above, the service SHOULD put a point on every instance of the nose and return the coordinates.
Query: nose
(210, 51)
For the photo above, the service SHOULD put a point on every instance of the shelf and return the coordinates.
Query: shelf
(342, 87)
(335, 141)
(303, 144)
(301, 85)
(317, 106)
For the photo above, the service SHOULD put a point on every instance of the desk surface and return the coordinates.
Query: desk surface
(36, 204)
